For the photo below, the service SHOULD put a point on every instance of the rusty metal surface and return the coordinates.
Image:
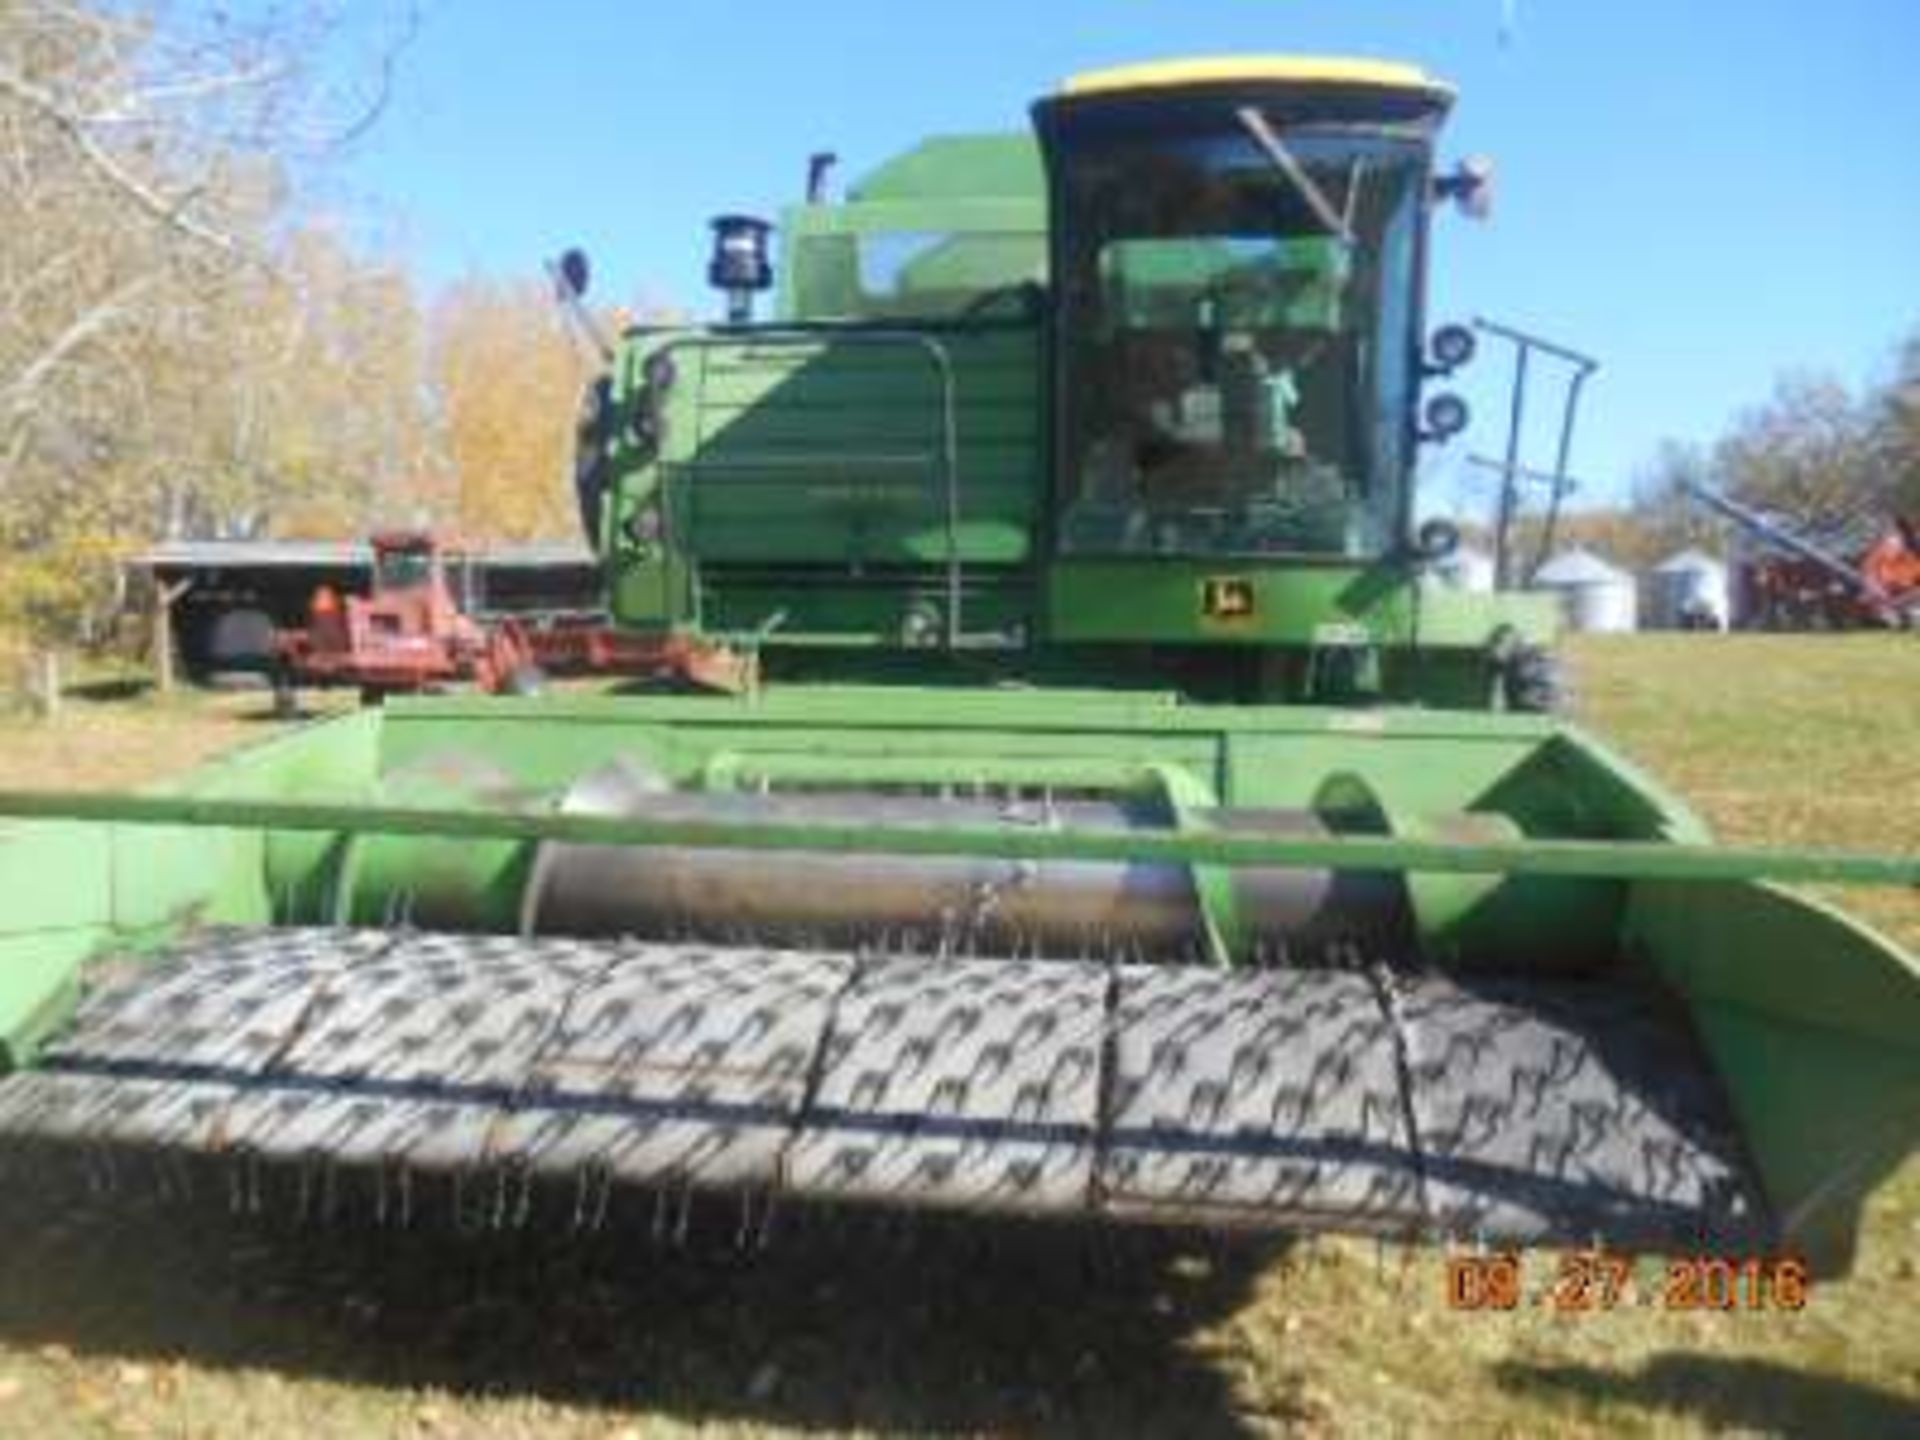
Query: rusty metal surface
(1352, 1099)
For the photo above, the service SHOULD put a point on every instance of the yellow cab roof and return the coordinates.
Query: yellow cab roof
(1257, 69)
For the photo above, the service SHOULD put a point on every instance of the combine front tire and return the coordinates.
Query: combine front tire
(1531, 680)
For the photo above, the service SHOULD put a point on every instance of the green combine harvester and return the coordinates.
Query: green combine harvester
(1124, 822)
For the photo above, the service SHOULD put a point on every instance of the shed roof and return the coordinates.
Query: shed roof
(1579, 566)
(342, 554)
(1691, 561)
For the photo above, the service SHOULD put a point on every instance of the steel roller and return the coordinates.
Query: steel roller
(974, 905)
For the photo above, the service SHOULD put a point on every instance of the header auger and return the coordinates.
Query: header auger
(1122, 826)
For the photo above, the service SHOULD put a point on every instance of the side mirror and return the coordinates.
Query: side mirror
(1469, 186)
(574, 273)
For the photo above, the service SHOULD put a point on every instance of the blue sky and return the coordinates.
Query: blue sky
(1702, 193)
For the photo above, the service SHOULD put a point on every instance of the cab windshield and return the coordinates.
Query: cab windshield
(402, 569)
(1237, 337)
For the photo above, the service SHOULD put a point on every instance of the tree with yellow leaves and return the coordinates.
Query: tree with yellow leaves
(507, 382)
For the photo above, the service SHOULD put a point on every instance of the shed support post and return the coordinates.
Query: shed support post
(164, 596)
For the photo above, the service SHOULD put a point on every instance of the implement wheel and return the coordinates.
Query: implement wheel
(526, 680)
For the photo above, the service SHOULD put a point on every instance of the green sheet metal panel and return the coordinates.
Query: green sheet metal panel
(1006, 165)
(835, 626)
(550, 744)
(54, 877)
(1057, 710)
(837, 451)
(1813, 1022)
(1464, 619)
(1410, 772)
(39, 985)
(57, 880)
(1257, 756)
(735, 379)
(1164, 598)
(925, 257)
(971, 265)
(1490, 784)
(334, 757)
(72, 889)
(784, 420)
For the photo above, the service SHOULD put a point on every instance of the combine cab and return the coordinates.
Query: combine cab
(1123, 828)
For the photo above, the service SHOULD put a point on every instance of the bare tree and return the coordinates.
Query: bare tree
(1805, 454)
(1895, 421)
(1815, 455)
(1666, 518)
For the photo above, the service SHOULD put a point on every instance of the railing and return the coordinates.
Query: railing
(1591, 859)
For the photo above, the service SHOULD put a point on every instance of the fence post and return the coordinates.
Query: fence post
(50, 683)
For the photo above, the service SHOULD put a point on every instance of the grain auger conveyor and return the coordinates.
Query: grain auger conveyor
(1123, 824)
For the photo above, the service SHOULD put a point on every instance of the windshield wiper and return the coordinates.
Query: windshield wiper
(1288, 164)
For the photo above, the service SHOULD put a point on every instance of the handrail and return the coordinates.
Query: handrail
(1592, 859)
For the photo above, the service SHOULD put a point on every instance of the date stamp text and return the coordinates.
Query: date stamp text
(1580, 1282)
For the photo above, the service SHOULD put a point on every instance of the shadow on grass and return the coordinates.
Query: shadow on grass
(841, 1322)
(312, 702)
(110, 690)
(1727, 1393)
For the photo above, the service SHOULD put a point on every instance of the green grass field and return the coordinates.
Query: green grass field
(123, 1318)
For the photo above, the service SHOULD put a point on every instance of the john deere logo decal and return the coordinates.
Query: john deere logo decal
(1226, 599)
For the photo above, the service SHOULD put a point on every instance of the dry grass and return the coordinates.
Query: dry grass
(113, 731)
(172, 1322)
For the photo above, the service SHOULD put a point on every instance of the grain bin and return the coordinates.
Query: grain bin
(1598, 597)
(1688, 591)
